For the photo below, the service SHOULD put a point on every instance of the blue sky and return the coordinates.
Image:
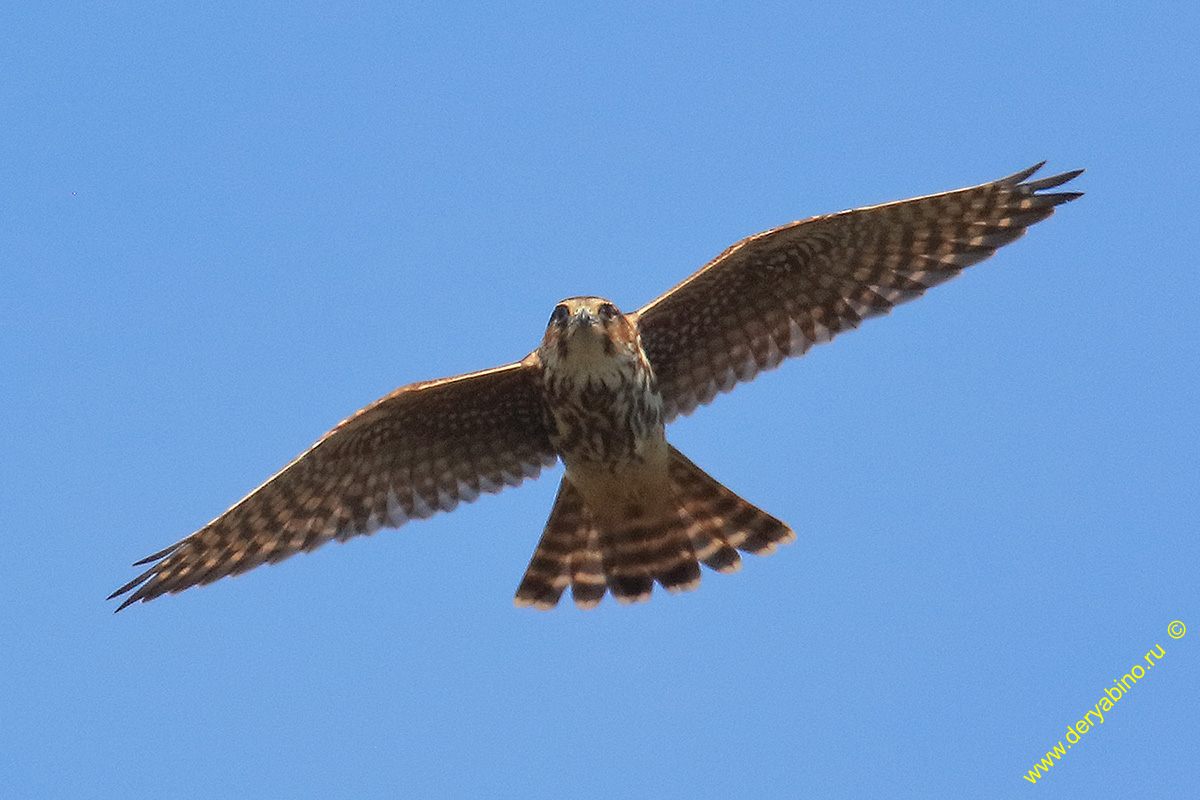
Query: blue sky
(223, 228)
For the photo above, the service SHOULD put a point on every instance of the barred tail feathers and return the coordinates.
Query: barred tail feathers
(705, 523)
(567, 555)
(721, 521)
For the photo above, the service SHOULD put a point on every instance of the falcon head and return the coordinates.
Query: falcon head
(587, 331)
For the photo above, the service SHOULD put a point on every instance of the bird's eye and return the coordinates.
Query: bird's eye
(608, 311)
(559, 315)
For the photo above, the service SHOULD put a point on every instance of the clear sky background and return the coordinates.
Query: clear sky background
(225, 227)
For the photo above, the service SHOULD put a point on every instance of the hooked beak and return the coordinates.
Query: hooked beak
(583, 318)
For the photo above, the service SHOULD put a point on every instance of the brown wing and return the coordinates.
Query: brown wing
(420, 450)
(777, 294)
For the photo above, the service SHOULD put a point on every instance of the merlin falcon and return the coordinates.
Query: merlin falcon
(596, 394)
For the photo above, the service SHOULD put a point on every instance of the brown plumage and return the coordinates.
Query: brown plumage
(631, 511)
(705, 523)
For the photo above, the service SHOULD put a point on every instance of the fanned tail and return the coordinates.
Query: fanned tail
(705, 523)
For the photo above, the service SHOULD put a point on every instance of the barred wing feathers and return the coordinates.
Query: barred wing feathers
(422, 449)
(776, 294)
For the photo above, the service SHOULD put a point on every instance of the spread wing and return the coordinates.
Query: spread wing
(422, 449)
(778, 293)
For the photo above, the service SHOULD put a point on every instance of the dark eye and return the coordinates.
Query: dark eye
(559, 315)
(608, 312)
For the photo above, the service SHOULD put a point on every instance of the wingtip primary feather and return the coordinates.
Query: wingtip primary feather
(1055, 180)
(1019, 177)
(1017, 181)
(128, 602)
(133, 584)
(160, 555)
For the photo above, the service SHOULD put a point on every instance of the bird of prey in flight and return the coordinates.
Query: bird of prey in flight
(632, 510)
